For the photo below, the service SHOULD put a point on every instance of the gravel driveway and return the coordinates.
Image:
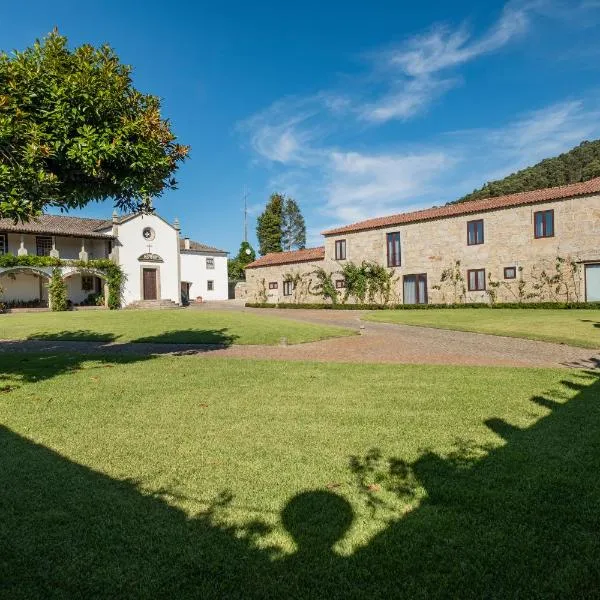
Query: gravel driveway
(378, 343)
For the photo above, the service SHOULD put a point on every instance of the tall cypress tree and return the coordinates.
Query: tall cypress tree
(293, 226)
(269, 225)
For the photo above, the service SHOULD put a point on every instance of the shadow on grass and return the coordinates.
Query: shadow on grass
(212, 337)
(521, 520)
(79, 335)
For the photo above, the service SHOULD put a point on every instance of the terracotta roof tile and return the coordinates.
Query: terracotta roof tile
(59, 225)
(284, 258)
(465, 208)
(198, 247)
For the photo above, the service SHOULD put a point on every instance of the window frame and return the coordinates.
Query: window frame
(288, 287)
(210, 285)
(475, 289)
(92, 285)
(513, 269)
(339, 245)
(340, 284)
(392, 259)
(210, 262)
(37, 244)
(544, 228)
(4, 247)
(273, 285)
(474, 223)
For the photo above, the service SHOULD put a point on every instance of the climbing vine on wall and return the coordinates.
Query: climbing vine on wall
(115, 278)
(368, 281)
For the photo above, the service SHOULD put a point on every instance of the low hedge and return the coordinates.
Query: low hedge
(483, 305)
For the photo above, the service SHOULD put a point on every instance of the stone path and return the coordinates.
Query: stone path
(378, 342)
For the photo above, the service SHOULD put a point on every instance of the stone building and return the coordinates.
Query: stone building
(542, 245)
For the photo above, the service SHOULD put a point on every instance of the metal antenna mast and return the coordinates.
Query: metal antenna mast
(245, 215)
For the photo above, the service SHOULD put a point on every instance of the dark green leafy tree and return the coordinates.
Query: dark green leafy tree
(579, 164)
(73, 130)
(235, 266)
(269, 226)
(293, 227)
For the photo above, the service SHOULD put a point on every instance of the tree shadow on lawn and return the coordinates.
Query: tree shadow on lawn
(521, 521)
(79, 335)
(211, 337)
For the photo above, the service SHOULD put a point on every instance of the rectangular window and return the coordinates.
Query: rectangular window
(210, 285)
(340, 250)
(476, 280)
(273, 285)
(475, 232)
(210, 263)
(510, 272)
(393, 249)
(414, 289)
(43, 245)
(87, 283)
(3, 244)
(340, 284)
(543, 223)
(288, 288)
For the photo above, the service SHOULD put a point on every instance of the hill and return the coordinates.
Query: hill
(579, 164)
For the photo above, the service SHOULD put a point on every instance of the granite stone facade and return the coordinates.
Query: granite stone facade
(439, 246)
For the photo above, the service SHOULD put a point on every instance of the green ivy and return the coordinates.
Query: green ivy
(57, 291)
(115, 278)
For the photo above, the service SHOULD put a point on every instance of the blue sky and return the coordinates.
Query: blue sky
(356, 109)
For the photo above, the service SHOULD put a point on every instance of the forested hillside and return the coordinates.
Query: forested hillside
(579, 164)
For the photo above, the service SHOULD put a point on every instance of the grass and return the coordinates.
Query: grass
(210, 478)
(168, 326)
(574, 327)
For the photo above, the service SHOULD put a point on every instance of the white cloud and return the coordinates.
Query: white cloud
(416, 66)
(361, 185)
(299, 137)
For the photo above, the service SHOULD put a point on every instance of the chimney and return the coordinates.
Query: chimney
(186, 243)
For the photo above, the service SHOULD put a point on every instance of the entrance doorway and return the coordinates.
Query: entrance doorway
(149, 282)
(415, 289)
(592, 283)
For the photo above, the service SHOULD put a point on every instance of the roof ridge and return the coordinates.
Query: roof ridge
(459, 208)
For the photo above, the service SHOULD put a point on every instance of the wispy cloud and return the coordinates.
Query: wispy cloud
(299, 137)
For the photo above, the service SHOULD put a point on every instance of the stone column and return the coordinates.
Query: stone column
(114, 254)
(54, 252)
(83, 255)
(22, 251)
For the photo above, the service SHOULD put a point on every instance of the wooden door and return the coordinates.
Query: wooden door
(149, 281)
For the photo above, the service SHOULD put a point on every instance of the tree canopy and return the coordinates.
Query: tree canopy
(235, 266)
(579, 164)
(73, 129)
(281, 226)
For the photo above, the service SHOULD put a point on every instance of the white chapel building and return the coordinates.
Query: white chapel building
(159, 264)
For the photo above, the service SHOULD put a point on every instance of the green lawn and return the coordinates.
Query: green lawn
(168, 326)
(180, 477)
(573, 327)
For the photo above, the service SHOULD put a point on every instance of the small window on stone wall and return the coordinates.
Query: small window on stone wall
(510, 272)
(340, 283)
(273, 285)
(210, 285)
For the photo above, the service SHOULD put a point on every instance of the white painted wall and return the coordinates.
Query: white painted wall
(24, 286)
(68, 247)
(131, 245)
(193, 269)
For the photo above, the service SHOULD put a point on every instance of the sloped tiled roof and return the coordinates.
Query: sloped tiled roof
(465, 208)
(59, 225)
(198, 247)
(284, 258)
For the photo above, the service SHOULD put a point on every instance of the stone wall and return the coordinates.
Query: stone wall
(431, 247)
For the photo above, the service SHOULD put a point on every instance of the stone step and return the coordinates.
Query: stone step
(153, 304)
